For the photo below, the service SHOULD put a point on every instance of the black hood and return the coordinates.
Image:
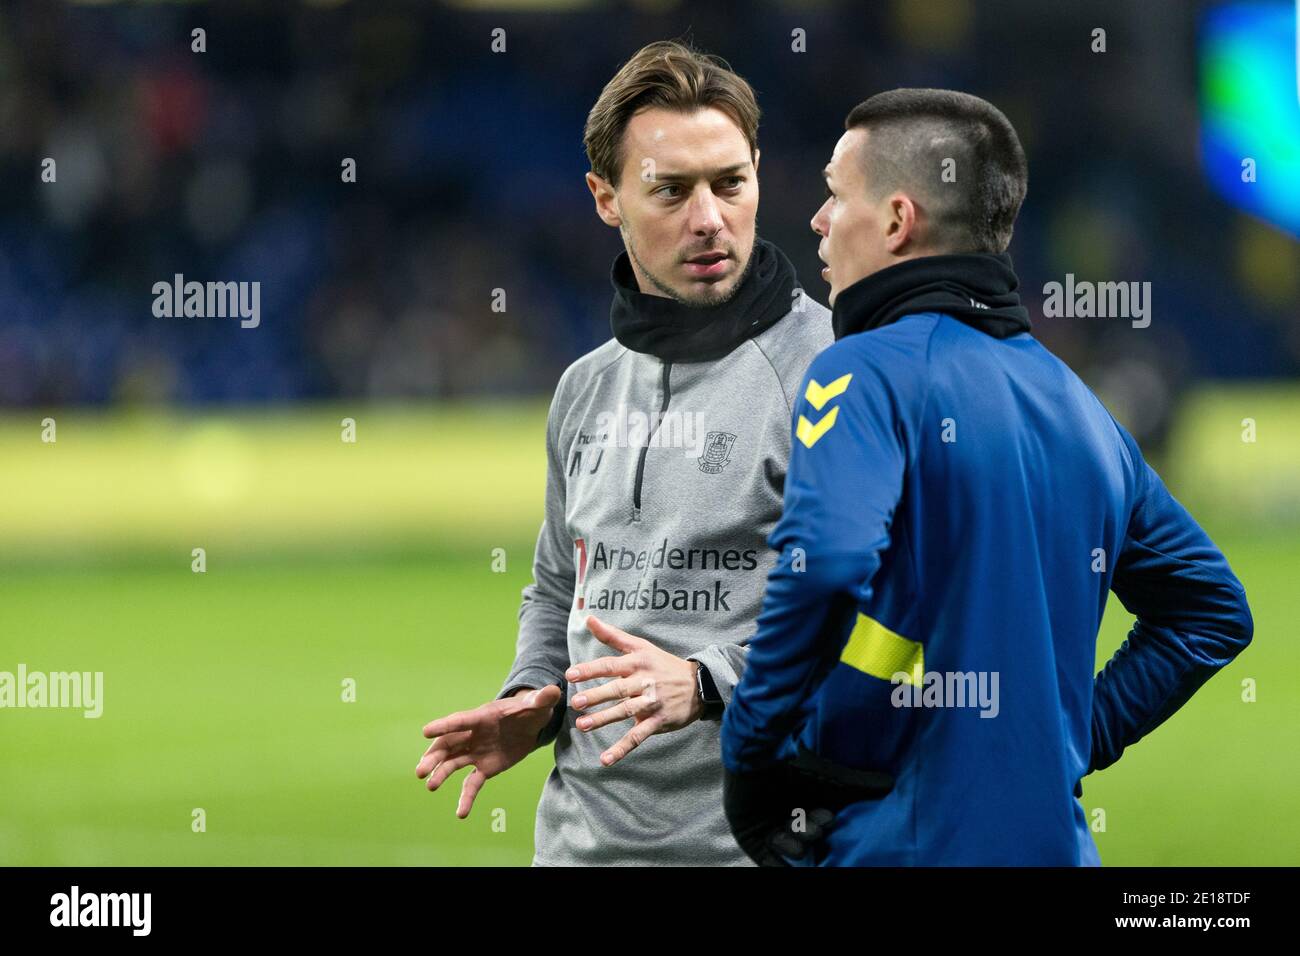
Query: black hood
(980, 289)
(676, 332)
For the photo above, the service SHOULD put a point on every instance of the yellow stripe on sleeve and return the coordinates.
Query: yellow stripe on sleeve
(876, 650)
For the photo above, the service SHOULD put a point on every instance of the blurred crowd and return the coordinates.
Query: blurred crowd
(226, 165)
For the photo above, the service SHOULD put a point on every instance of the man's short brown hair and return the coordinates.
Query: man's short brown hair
(912, 133)
(670, 75)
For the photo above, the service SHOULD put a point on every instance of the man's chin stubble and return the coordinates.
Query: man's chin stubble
(705, 300)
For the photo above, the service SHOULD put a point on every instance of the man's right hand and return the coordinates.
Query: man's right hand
(492, 738)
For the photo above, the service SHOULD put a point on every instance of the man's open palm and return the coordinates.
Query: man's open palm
(491, 738)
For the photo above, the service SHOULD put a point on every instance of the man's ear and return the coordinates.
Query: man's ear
(603, 193)
(900, 224)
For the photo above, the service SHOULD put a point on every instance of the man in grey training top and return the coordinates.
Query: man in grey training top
(667, 449)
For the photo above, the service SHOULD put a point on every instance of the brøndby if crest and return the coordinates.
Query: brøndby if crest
(717, 452)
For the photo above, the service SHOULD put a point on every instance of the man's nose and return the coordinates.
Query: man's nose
(818, 220)
(706, 217)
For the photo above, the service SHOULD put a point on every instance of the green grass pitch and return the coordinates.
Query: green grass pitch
(223, 691)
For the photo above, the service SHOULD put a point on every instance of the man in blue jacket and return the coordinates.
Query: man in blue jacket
(920, 688)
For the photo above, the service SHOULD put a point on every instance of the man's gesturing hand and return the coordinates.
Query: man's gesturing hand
(654, 688)
(492, 738)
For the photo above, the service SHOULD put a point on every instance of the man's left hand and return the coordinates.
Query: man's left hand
(654, 688)
(781, 811)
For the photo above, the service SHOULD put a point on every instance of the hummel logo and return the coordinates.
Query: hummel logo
(808, 433)
(818, 395)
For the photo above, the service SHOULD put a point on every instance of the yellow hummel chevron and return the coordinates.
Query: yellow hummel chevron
(876, 650)
(808, 433)
(819, 395)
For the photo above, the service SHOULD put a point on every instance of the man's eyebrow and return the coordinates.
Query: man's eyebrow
(686, 175)
(826, 173)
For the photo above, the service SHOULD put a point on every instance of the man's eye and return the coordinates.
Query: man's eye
(663, 191)
(733, 182)
(829, 194)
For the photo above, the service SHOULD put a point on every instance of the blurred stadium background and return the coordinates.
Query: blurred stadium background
(374, 561)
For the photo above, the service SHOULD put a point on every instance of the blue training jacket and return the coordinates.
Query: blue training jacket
(957, 507)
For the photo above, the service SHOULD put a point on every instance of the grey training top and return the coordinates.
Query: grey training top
(668, 542)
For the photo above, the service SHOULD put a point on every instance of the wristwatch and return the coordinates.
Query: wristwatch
(708, 691)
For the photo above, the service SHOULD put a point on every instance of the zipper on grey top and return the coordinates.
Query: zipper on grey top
(640, 462)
